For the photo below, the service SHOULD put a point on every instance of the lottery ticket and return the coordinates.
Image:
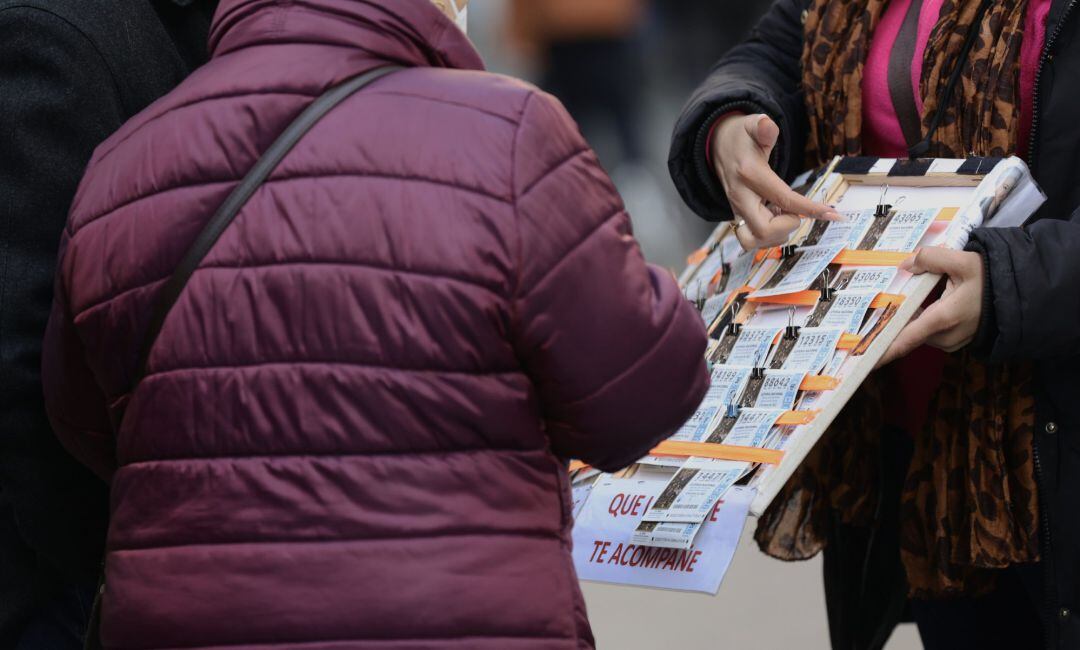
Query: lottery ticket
(813, 349)
(904, 231)
(726, 383)
(692, 492)
(779, 389)
(753, 426)
(848, 310)
(752, 346)
(799, 271)
(870, 278)
(671, 534)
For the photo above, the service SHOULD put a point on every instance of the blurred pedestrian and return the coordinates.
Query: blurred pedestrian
(349, 430)
(71, 72)
(590, 56)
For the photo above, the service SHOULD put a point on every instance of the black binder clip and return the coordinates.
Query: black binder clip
(732, 411)
(787, 251)
(736, 329)
(883, 208)
(757, 373)
(792, 330)
(827, 292)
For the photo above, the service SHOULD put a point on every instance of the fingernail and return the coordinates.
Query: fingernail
(835, 216)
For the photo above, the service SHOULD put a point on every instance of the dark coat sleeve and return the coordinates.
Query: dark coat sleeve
(58, 100)
(761, 75)
(615, 351)
(1034, 290)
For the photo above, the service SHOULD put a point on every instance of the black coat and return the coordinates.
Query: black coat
(1033, 302)
(71, 72)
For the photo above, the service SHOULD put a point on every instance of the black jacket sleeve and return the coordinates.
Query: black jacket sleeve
(761, 75)
(1033, 290)
(58, 100)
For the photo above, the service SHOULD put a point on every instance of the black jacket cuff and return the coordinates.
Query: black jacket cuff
(703, 169)
(983, 343)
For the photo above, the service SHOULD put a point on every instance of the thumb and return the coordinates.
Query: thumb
(764, 132)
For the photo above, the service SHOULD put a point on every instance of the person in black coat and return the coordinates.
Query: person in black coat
(71, 72)
(1027, 305)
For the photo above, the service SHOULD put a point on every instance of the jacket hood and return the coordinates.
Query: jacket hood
(409, 32)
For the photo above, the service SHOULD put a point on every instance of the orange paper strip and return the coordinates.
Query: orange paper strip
(947, 214)
(575, 465)
(810, 298)
(819, 382)
(795, 418)
(799, 298)
(848, 341)
(886, 299)
(721, 452)
(697, 257)
(870, 258)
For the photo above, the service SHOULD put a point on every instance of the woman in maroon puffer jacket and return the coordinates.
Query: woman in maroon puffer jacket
(350, 428)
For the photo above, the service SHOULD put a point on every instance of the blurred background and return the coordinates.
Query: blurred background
(624, 68)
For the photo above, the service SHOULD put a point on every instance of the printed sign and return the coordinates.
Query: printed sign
(604, 549)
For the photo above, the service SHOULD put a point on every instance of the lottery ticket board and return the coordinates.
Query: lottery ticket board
(794, 330)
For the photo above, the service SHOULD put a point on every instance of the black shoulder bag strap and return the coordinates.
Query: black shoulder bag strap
(225, 215)
(206, 239)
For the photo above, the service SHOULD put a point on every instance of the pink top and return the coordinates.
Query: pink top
(882, 135)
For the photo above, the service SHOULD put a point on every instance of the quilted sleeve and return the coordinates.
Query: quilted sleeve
(615, 351)
(1034, 275)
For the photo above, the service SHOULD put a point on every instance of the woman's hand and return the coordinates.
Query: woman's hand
(768, 208)
(951, 322)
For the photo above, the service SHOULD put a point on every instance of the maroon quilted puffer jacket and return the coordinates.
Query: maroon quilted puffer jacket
(350, 429)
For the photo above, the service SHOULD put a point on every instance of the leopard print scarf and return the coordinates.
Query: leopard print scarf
(969, 503)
